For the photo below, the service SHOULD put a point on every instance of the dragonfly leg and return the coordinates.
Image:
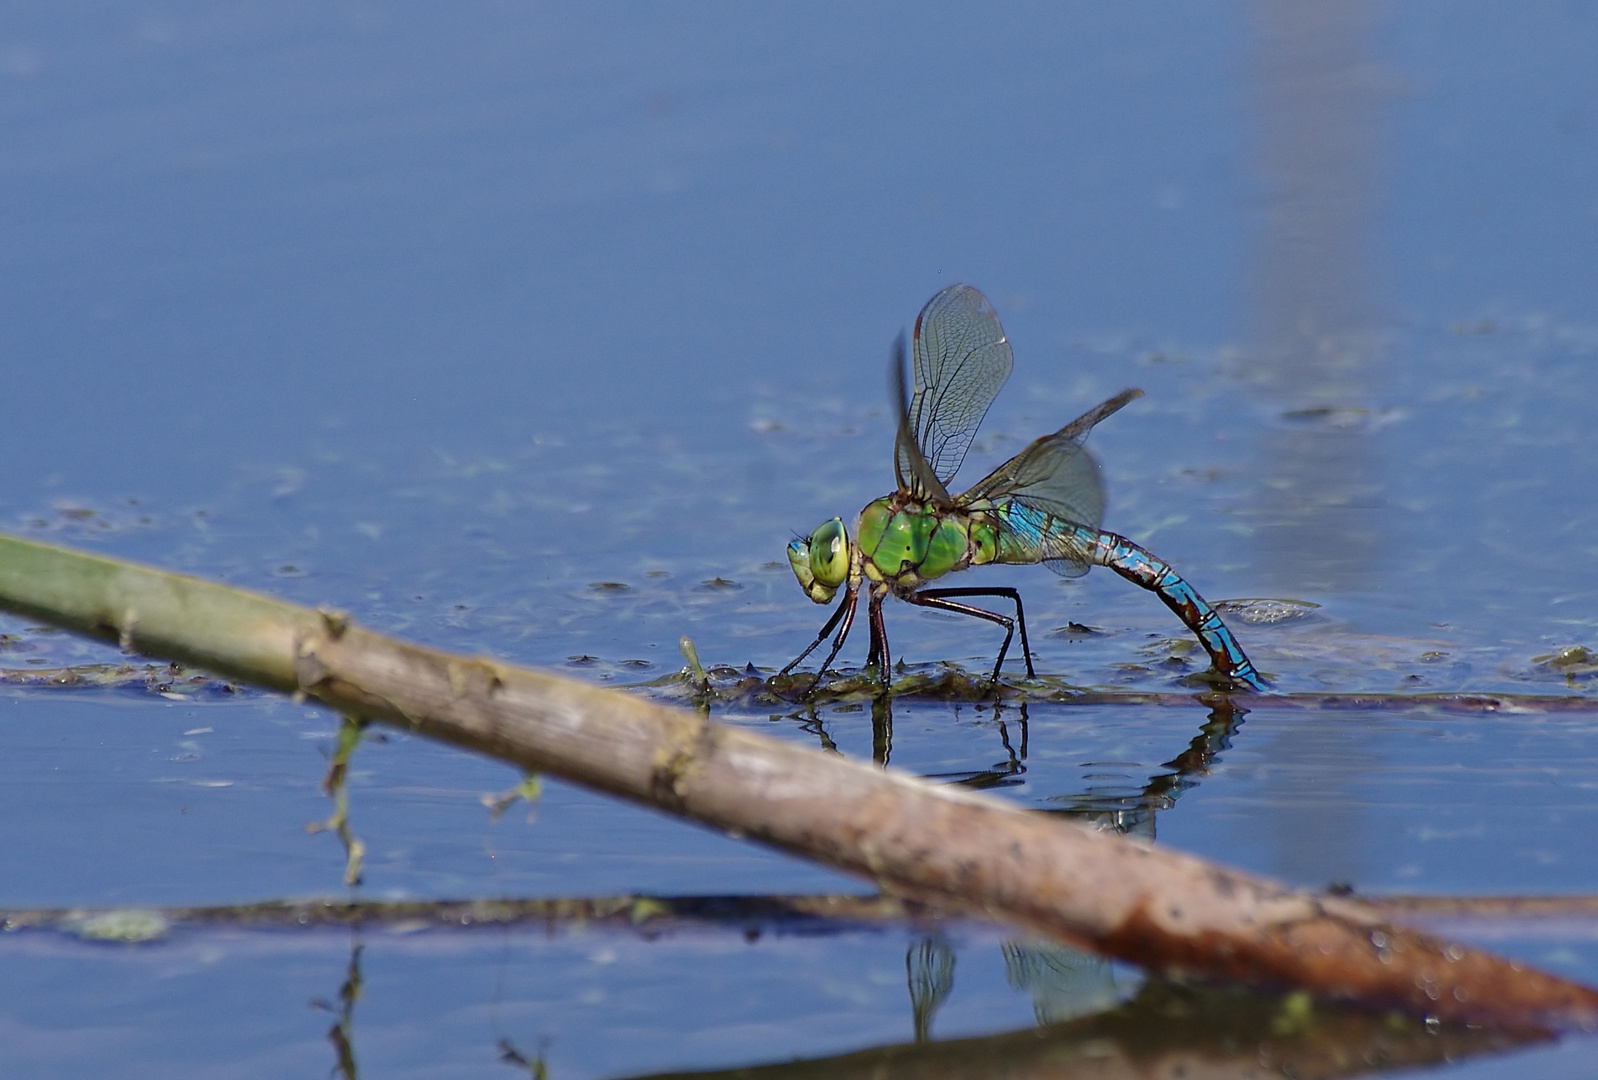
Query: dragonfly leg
(936, 598)
(832, 620)
(1020, 616)
(879, 639)
(851, 601)
(1155, 574)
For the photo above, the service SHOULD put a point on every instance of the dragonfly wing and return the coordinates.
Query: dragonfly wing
(1049, 499)
(962, 360)
(910, 466)
(1078, 429)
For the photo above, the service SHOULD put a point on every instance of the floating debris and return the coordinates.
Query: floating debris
(1264, 611)
(172, 681)
(129, 926)
(1571, 662)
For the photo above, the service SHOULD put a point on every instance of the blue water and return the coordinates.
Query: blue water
(539, 332)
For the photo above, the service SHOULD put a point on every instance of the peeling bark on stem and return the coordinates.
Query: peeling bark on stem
(953, 849)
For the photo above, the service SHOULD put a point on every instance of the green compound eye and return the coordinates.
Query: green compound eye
(829, 553)
(799, 559)
(821, 563)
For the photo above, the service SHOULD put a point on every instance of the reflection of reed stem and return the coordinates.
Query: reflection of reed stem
(650, 917)
(1165, 1030)
(929, 974)
(1318, 112)
(342, 1033)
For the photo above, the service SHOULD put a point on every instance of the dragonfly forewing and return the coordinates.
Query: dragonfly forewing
(962, 360)
(910, 465)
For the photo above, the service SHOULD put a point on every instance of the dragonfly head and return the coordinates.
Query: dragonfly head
(821, 561)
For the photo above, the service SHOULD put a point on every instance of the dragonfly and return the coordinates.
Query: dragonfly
(1042, 506)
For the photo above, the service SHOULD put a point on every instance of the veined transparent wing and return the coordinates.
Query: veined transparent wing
(1077, 430)
(923, 482)
(962, 360)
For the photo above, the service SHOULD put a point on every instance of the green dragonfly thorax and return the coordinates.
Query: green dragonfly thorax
(905, 542)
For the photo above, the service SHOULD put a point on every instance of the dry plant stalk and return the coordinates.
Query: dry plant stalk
(946, 847)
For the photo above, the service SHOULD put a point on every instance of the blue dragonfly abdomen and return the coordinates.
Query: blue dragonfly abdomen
(1143, 567)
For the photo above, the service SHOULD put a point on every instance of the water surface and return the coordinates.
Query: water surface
(538, 333)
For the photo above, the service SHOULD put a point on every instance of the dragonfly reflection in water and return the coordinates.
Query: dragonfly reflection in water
(1043, 505)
